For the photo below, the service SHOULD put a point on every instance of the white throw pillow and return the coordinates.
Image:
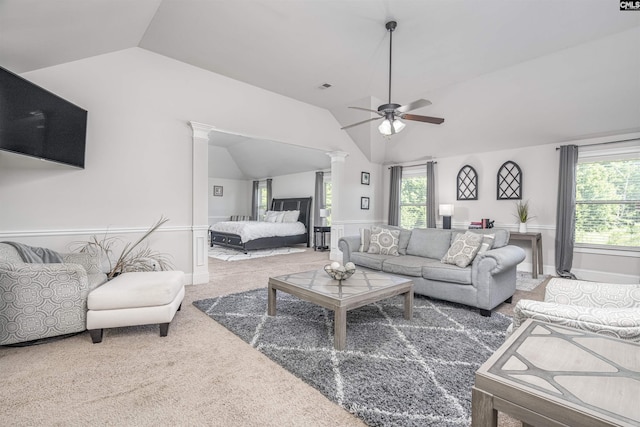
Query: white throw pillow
(290, 216)
(463, 249)
(274, 216)
(384, 241)
(487, 242)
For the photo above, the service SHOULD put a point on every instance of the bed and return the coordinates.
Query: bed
(229, 234)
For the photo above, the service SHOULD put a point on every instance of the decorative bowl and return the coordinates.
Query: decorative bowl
(340, 272)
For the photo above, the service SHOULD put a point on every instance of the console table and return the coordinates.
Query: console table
(548, 375)
(536, 249)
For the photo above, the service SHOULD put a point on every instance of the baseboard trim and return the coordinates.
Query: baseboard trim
(605, 277)
(198, 278)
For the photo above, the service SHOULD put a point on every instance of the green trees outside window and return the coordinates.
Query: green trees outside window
(413, 201)
(608, 203)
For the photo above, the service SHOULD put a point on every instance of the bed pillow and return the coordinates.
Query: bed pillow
(384, 241)
(463, 249)
(274, 216)
(290, 216)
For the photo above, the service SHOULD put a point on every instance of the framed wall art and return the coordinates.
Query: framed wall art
(509, 184)
(364, 203)
(467, 183)
(365, 178)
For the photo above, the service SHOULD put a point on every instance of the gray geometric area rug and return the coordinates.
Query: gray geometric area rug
(227, 254)
(393, 371)
(525, 282)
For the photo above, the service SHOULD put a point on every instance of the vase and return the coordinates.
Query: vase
(523, 227)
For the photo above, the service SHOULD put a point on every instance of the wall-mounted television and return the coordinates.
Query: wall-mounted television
(38, 123)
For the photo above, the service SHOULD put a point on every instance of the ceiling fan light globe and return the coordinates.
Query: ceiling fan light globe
(398, 125)
(385, 127)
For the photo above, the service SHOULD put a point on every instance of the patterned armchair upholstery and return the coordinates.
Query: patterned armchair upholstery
(45, 300)
(604, 308)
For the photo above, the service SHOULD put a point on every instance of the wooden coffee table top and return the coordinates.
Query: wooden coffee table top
(319, 283)
(572, 376)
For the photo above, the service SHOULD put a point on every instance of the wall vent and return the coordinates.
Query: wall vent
(324, 86)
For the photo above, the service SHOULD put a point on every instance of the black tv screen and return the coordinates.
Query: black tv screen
(38, 123)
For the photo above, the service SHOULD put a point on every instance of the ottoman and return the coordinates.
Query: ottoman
(137, 298)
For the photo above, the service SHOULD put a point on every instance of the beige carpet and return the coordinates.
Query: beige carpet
(200, 374)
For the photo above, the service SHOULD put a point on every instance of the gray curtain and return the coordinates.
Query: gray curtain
(319, 195)
(254, 201)
(431, 196)
(269, 193)
(394, 195)
(566, 212)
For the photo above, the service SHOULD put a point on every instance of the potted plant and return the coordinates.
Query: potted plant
(522, 212)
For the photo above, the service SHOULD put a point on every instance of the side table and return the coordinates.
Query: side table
(536, 250)
(320, 239)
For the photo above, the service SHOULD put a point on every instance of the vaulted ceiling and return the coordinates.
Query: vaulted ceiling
(502, 73)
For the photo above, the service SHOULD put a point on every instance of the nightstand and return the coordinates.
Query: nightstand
(320, 238)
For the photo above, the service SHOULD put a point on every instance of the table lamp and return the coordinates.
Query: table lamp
(446, 211)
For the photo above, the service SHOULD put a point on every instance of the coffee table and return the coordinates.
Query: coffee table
(363, 288)
(548, 375)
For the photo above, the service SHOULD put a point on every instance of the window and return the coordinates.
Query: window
(413, 198)
(608, 199)
(262, 200)
(327, 195)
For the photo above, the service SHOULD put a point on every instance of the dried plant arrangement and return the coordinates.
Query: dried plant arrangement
(132, 257)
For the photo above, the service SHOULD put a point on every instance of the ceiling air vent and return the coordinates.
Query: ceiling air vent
(324, 86)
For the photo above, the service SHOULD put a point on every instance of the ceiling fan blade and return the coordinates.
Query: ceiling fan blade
(367, 109)
(426, 119)
(362, 122)
(413, 106)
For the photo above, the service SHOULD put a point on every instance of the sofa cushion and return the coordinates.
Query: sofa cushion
(447, 273)
(372, 261)
(429, 242)
(463, 249)
(384, 241)
(408, 265)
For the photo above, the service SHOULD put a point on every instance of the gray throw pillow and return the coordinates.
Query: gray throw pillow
(384, 241)
(365, 239)
(463, 249)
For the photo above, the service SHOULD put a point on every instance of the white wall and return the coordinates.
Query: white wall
(235, 200)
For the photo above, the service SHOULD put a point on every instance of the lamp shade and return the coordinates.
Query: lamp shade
(446, 210)
(324, 213)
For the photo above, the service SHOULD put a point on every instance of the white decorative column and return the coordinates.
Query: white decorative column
(337, 220)
(199, 211)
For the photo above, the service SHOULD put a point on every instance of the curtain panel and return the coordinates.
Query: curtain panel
(431, 195)
(566, 211)
(254, 200)
(319, 198)
(394, 195)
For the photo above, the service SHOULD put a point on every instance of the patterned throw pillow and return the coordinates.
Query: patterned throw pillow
(463, 249)
(384, 241)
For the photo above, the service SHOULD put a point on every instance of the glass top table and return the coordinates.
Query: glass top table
(363, 288)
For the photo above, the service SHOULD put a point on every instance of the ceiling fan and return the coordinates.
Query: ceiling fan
(391, 113)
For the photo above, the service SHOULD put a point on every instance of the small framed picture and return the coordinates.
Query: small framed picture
(364, 178)
(364, 203)
(217, 190)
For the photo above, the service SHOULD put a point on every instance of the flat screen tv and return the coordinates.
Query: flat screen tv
(38, 123)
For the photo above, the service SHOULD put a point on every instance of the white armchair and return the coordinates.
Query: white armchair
(604, 308)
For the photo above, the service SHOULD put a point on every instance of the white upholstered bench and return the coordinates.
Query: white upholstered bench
(137, 298)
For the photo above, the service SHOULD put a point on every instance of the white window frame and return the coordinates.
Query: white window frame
(408, 172)
(595, 154)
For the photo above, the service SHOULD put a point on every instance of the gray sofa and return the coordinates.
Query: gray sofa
(487, 282)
